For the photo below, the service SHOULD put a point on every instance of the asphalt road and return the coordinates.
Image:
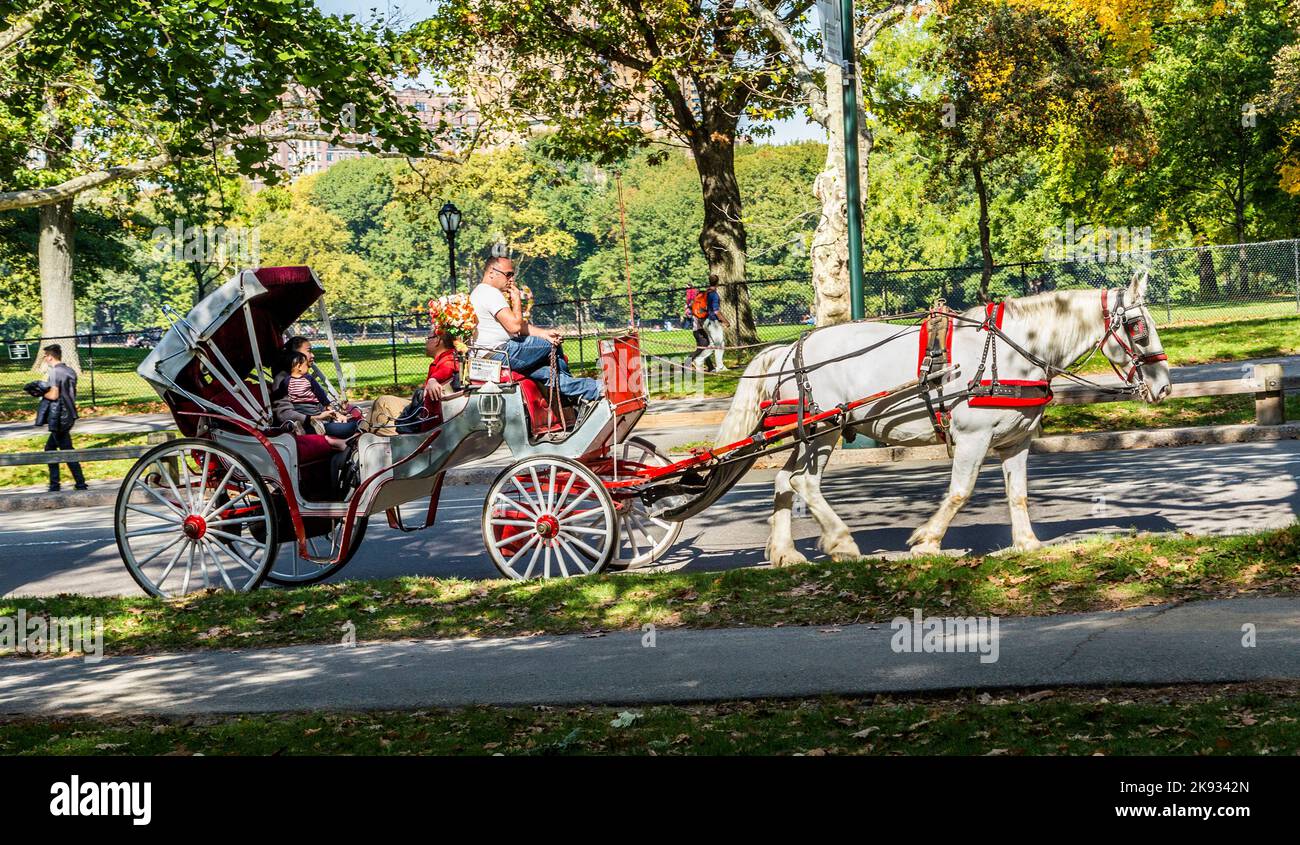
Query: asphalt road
(1200, 642)
(1205, 490)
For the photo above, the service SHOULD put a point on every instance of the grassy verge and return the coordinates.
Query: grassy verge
(1099, 574)
(1173, 413)
(1219, 720)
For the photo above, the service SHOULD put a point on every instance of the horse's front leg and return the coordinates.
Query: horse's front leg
(968, 453)
(780, 542)
(1015, 460)
(836, 540)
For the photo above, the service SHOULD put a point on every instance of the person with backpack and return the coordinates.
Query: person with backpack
(707, 309)
(58, 412)
(696, 299)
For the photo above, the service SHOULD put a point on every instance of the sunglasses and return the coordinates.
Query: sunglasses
(509, 275)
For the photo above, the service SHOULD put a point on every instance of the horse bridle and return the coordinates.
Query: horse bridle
(1129, 333)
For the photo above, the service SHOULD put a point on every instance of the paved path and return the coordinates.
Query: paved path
(1200, 489)
(1200, 642)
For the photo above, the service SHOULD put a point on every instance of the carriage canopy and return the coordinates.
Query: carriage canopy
(211, 360)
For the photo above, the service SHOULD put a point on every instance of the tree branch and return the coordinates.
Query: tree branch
(35, 197)
(815, 94)
(878, 21)
(23, 26)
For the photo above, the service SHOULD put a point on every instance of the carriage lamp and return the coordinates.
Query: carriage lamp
(449, 218)
(490, 405)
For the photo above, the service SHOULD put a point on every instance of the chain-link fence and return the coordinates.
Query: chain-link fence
(1201, 284)
(378, 353)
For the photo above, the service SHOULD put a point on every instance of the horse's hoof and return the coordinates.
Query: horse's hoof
(788, 559)
(1032, 544)
(924, 549)
(845, 551)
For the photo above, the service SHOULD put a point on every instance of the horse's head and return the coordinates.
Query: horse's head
(1131, 343)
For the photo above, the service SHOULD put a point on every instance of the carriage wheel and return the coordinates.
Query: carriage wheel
(549, 518)
(191, 515)
(291, 570)
(643, 538)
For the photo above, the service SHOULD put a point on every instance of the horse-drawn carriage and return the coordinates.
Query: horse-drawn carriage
(238, 499)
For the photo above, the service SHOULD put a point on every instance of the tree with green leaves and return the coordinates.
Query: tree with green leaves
(1218, 143)
(612, 76)
(98, 94)
(1013, 79)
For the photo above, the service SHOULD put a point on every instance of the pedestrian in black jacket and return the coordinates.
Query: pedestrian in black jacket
(58, 412)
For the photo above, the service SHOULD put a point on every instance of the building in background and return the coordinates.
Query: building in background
(448, 116)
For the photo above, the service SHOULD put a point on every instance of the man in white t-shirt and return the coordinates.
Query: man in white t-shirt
(501, 325)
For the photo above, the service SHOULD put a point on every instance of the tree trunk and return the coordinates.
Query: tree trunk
(723, 237)
(1208, 289)
(54, 253)
(830, 244)
(1243, 268)
(986, 251)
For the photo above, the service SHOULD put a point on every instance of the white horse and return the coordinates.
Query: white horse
(1056, 328)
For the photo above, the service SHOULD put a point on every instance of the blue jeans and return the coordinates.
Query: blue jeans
(532, 357)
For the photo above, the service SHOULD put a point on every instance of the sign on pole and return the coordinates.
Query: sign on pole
(832, 31)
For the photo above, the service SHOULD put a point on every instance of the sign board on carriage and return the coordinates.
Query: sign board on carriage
(20, 352)
(484, 370)
(832, 31)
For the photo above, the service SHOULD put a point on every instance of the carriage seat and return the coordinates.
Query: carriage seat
(535, 404)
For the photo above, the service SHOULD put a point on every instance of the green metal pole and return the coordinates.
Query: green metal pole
(852, 189)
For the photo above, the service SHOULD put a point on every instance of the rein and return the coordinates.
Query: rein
(1115, 323)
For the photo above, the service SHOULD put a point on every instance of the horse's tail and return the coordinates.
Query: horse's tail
(744, 413)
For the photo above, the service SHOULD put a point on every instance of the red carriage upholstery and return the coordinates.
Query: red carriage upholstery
(535, 404)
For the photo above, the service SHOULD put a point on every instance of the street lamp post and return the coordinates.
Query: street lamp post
(449, 218)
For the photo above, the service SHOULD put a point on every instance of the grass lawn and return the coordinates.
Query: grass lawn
(95, 470)
(1100, 574)
(1172, 413)
(1259, 718)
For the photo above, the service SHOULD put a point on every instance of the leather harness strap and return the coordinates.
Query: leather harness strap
(1111, 331)
(807, 405)
(936, 353)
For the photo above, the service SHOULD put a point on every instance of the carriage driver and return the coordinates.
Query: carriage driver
(502, 325)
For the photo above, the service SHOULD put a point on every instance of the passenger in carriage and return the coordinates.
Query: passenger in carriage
(297, 399)
(502, 325)
(389, 414)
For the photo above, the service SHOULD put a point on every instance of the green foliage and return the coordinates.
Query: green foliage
(135, 78)
(1217, 147)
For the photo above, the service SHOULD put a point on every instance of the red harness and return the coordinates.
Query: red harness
(779, 412)
(1022, 393)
